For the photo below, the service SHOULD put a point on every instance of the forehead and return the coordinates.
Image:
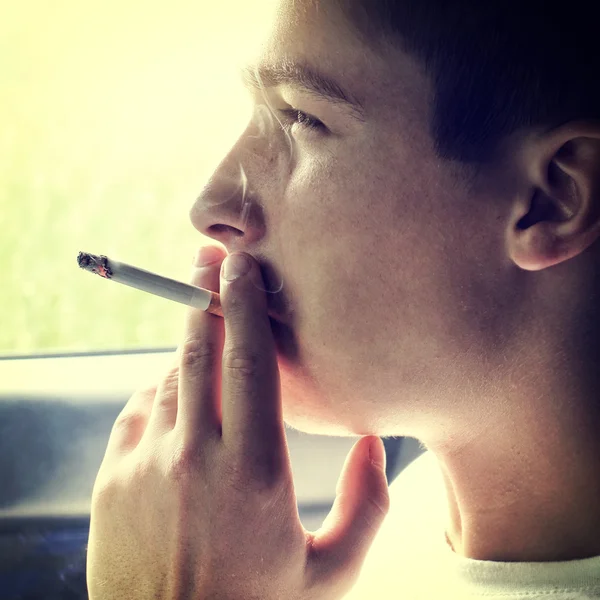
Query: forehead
(313, 33)
(316, 33)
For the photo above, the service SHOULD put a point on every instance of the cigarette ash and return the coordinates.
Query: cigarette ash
(95, 264)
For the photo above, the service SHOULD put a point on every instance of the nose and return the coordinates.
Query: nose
(229, 208)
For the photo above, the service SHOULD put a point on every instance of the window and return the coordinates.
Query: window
(114, 115)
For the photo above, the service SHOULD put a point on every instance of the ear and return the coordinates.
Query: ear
(559, 216)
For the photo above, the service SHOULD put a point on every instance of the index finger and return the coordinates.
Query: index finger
(198, 412)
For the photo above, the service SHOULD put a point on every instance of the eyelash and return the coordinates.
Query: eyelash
(293, 116)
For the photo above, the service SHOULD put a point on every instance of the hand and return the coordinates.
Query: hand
(195, 499)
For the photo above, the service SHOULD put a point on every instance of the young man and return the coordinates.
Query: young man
(420, 184)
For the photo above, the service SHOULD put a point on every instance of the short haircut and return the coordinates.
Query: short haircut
(497, 66)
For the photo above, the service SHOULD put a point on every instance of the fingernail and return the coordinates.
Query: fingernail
(234, 266)
(207, 255)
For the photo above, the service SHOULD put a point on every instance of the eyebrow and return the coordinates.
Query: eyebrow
(301, 76)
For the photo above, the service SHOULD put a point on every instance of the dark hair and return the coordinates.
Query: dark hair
(497, 66)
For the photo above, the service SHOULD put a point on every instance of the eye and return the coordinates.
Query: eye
(293, 116)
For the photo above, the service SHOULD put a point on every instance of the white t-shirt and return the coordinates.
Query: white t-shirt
(411, 560)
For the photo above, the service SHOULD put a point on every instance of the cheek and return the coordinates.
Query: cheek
(357, 238)
(337, 227)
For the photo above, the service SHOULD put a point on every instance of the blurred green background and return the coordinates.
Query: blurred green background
(113, 116)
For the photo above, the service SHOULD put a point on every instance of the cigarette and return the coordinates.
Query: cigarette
(152, 283)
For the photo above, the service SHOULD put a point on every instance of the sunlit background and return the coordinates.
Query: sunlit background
(113, 115)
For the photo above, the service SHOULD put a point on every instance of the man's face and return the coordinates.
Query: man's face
(375, 251)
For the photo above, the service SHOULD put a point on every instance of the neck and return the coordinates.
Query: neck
(525, 485)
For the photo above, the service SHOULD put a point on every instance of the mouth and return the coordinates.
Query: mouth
(278, 320)
(280, 330)
(276, 307)
(284, 341)
(275, 323)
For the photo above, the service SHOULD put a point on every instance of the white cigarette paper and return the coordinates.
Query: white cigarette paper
(152, 283)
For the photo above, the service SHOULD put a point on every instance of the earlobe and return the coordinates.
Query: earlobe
(560, 219)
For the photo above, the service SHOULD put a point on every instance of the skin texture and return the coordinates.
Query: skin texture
(427, 299)
(195, 496)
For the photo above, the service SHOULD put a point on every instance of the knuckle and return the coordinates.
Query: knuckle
(129, 420)
(170, 382)
(194, 351)
(129, 478)
(147, 392)
(233, 471)
(172, 373)
(106, 489)
(104, 493)
(237, 478)
(240, 363)
(244, 476)
(149, 389)
(143, 470)
(183, 463)
(142, 397)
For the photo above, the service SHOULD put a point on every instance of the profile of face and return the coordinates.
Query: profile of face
(387, 267)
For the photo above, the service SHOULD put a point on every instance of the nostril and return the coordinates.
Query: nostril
(219, 230)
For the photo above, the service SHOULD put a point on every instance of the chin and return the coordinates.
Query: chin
(304, 407)
(298, 416)
(313, 427)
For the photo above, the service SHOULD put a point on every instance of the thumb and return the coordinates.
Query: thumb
(362, 502)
